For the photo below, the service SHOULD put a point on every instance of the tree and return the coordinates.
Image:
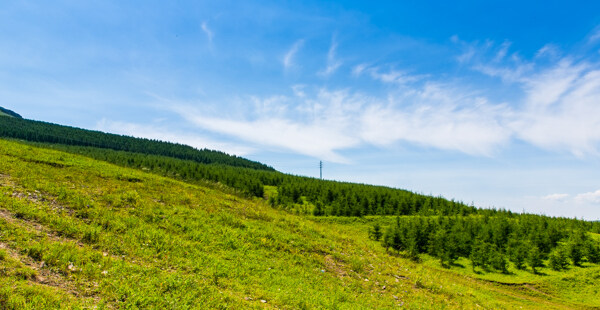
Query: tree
(534, 258)
(593, 252)
(388, 238)
(318, 210)
(375, 233)
(443, 246)
(498, 261)
(559, 258)
(517, 253)
(576, 251)
(480, 254)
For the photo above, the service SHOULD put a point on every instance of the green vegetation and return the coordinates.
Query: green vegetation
(36, 131)
(191, 228)
(7, 112)
(490, 242)
(80, 233)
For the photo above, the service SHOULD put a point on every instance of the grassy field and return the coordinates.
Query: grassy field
(78, 233)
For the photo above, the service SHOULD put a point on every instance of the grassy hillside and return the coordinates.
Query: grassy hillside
(79, 233)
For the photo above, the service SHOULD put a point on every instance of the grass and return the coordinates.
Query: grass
(78, 233)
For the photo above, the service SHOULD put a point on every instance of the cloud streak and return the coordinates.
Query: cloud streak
(332, 62)
(288, 58)
(209, 33)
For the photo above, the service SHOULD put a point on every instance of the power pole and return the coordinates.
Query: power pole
(321, 170)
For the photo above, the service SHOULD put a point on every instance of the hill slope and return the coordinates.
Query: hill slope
(75, 232)
(36, 131)
(7, 112)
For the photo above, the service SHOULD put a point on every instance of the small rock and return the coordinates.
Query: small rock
(383, 288)
(366, 280)
(263, 301)
(247, 298)
(42, 264)
(104, 272)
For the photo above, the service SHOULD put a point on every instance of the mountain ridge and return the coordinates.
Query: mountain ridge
(7, 112)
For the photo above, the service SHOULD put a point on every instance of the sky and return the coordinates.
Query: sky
(494, 103)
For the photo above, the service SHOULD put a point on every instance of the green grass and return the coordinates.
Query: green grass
(79, 233)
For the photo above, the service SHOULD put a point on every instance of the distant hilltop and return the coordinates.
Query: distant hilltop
(7, 112)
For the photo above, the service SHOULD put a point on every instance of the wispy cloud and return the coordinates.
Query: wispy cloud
(324, 122)
(394, 76)
(332, 62)
(591, 197)
(386, 76)
(359, 69)
(595, 36)
(548, 50)
(288, 58)
(502, 51)
(558, 110)
(556, 197)
(209, 33)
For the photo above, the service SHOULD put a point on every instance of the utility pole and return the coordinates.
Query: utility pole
(321, 170)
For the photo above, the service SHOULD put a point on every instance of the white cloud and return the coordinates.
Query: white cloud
(207, 31)
(595, 35)
(390, 76)
(558, 109)
(323, 123)
(591, 197)
(288, 58)
(502, 51)
(556, 197)
(332, 63)
(393, 76)
(561, 110)
(439, 118)
(359, 69)
(299, 90)
(549, 50)
(316, 138)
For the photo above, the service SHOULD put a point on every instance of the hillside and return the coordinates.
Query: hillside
(36, 131)
(7, 112)
(295, 193)
(76, 232)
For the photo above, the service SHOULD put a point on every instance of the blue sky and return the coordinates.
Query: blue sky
(491, 102)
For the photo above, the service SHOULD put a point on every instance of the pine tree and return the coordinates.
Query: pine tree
(375, 233)
(479, 254)
(558, 258)
(593, 252)
(517, 254)
(534, 258)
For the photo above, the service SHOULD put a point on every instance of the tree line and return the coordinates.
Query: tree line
(492, 242)
(36, 131)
